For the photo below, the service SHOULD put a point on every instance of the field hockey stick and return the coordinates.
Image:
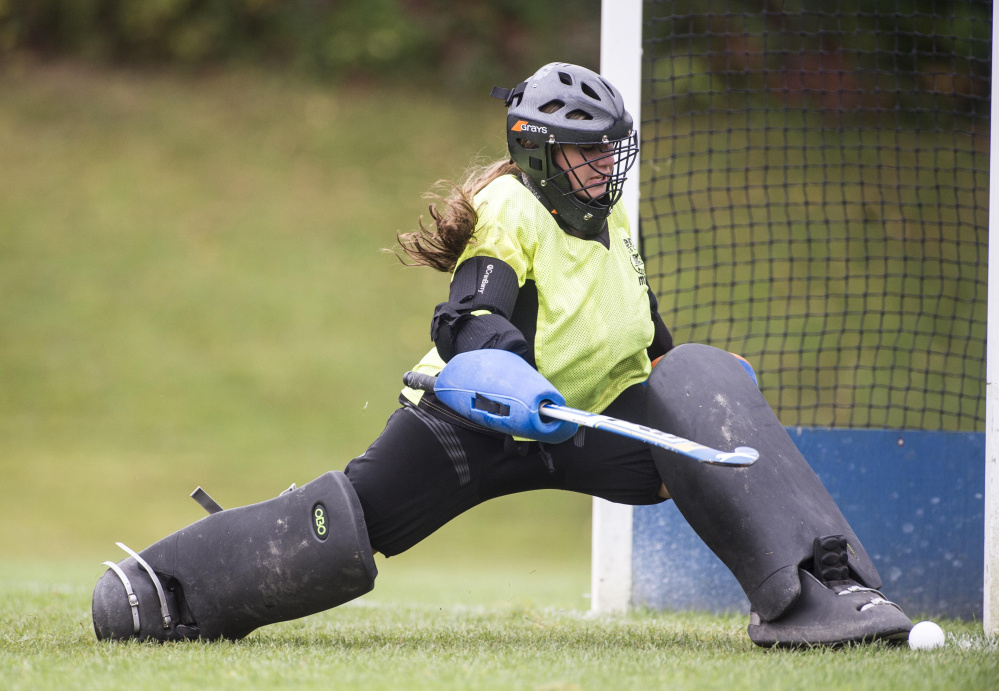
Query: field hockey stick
(742, 456)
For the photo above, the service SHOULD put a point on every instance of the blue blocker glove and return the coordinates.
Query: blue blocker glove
(499, 390)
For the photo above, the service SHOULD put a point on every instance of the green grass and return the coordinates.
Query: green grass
(457, 628)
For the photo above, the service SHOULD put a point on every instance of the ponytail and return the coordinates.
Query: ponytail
(439, 245)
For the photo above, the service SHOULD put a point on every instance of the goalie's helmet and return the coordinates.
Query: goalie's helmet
(565, 105)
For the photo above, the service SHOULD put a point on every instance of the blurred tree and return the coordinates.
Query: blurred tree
(471, 43)
(835, 55)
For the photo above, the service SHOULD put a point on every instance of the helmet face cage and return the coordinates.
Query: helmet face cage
(598, 204)
(564, 106)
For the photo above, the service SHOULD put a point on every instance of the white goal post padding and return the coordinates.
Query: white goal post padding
(990, 614)
(621, 64)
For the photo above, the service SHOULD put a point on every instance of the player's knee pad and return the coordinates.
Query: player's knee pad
(302, 552)
(763, 521)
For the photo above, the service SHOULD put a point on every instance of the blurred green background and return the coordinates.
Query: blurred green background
(194, 292)
(460, 44)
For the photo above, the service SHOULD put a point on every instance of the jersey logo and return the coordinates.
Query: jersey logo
(636, 262)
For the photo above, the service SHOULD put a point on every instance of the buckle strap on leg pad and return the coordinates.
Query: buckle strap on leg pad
(133, 599)
(205, 501)
(164, 610)
(830, 559)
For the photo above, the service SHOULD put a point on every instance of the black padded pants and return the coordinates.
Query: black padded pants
(422, 471)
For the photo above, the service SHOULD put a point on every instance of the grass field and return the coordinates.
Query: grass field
(457, 628)
(192, 292)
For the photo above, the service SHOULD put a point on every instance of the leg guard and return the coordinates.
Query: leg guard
(773, 524)
(302, 552)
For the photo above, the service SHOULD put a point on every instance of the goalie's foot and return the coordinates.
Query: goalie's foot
(831, 614)
(133, 601)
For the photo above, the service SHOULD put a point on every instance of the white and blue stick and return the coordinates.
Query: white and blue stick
(740, 457)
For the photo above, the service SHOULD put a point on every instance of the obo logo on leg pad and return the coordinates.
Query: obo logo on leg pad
(319, 521)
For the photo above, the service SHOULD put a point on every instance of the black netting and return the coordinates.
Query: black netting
(815, 197)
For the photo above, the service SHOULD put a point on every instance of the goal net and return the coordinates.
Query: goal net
(814, 196)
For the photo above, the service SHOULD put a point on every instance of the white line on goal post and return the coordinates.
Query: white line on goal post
(990, 590)
(621, 64)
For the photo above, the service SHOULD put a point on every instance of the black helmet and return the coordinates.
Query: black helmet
(563, 105)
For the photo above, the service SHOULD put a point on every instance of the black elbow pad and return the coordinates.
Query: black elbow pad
(484, 283)
(492, 331)
(454, 332)
(480, 283)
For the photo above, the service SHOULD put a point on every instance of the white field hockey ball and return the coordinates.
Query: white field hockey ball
(925, 636)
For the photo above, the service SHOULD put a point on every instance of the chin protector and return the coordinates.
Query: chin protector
(302, 552)
(499, 390)
(770, 522)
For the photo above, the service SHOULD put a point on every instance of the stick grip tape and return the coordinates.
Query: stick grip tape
(416, 380)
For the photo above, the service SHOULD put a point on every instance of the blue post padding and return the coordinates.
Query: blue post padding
(915, 499)
(499, 390)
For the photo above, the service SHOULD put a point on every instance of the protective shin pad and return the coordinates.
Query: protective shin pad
(768, 521)
(302, 552)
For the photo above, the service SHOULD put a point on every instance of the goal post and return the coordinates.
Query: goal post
(621, 64)
(813, 193)
(990, 615)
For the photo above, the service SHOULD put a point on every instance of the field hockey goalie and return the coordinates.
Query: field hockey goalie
(807, 576)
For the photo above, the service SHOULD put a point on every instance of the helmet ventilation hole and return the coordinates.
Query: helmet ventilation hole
(565, 78)
(552, 106)
(588, 90)
(578, 114)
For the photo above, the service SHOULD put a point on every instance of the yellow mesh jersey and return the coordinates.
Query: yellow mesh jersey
(593, 322)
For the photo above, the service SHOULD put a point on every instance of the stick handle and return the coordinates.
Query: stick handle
(416, 380)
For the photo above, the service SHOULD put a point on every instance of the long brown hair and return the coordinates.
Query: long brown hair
(439, 245)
